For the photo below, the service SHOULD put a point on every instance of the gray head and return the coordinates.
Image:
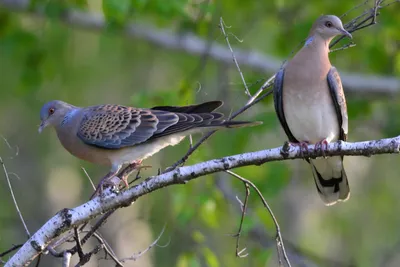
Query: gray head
(53, 112)
(327, 27)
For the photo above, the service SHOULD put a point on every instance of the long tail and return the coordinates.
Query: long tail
(193, 119)
(204, 110)
(234, 124)
(330, 179)
(205, 107)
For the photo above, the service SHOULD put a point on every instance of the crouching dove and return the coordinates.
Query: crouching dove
(115, 135)
(311, 106)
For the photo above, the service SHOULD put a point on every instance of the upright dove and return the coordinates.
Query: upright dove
(115, 135)
(311, 106)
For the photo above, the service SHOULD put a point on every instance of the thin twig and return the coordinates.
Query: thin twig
(87, 257)
(279, 251)
(353, 8)
(141, 253)
(107, 249)
(15, 175)
(14, 247)
(81, 254)
(259, 234)
(38, 260)
(358, 23)
(69, 237)
(349, 45)
(90, 233)
(243, 207)
(279, 240)
(14, 199)
(190, 141)
(90, 179)
(390, 3)
(222, 26)
(98, 224)
(268, 83)
(10, 147)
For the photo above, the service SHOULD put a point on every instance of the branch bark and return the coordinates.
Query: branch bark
(193, 44)
(67, 219)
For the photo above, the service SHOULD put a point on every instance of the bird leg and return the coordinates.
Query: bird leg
(135, 165)
(303, 147)
(106, 180)
(320, 146)
(123, 176)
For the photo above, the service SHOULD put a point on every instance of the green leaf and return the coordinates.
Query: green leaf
(198, 237)
(116, 11)
(187, 260)
(208, 213)
(210, 257)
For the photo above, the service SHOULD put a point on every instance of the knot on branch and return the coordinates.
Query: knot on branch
(66, 218)
(36, 246)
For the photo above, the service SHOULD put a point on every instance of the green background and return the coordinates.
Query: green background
(43, 58)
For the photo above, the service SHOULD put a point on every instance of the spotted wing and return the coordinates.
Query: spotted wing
(114, 126)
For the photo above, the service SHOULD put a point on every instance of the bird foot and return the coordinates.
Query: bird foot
(303, 147)
(108, 180)
(136, 165)
(319, 146)
(112, 179)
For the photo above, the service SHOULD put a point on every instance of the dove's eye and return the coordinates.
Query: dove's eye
(328, 24)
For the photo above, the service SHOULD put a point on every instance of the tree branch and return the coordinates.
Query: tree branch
(66, 219)
(282, 255)
(193, 44)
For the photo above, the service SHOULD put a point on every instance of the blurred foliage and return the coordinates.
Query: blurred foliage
(41, 58)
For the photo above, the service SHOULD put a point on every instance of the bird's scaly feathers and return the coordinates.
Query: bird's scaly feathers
(115, 126)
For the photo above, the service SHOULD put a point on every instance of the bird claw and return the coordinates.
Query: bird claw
(136, 165)
(320, 146)
(303, 148)
(111, 179)
(106, 181)
(124, 179)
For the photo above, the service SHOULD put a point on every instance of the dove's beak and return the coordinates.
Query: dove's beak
(42, 126)
(346, 33)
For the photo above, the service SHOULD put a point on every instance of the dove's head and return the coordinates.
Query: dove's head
(52, 113)
(328, 26)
